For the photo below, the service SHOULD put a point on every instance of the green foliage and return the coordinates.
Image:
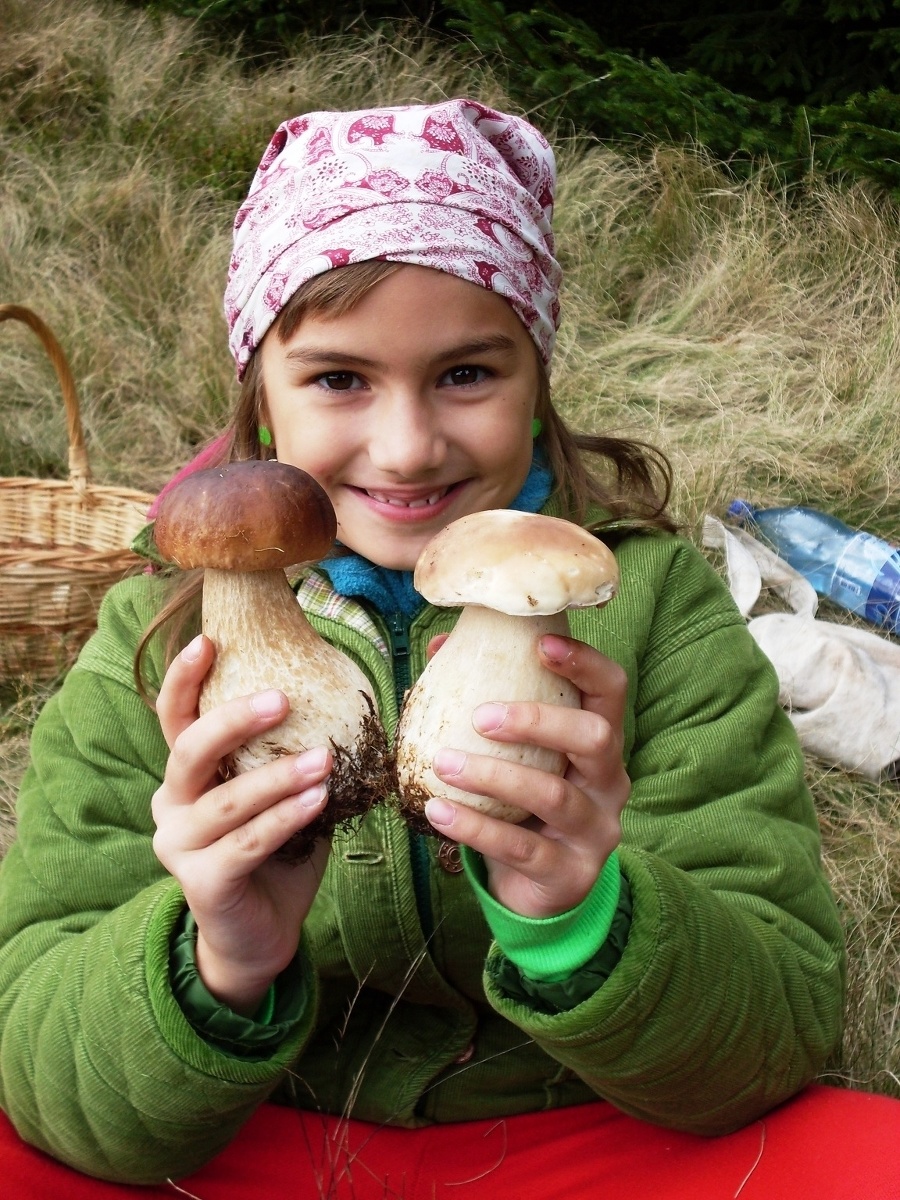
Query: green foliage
(559, 65)
(799, 49)
(862, 138)
(264, 19)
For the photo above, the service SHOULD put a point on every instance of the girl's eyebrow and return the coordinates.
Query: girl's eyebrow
(498, 343)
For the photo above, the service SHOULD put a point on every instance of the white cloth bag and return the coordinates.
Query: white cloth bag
(839, 684)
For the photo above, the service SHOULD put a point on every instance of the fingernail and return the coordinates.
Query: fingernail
(268, 704)
(488, 717)
(313, 796)
(555, 648)
(439, 812)
(191, 652)
(449, 762)
(311, 760)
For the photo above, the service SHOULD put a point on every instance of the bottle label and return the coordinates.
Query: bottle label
(867, 580)
(883, 603)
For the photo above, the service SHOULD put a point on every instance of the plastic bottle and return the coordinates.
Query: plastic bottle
(855, 570)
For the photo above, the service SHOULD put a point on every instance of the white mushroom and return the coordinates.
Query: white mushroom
(516, 574)
(246, 523)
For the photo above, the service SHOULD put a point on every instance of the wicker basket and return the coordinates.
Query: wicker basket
(62, 544)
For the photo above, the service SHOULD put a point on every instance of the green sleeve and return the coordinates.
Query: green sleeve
(509, 980)
(549, 948)
(555, 963)
(256, 1037)
(98, 1064)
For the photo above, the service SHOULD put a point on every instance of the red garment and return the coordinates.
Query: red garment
(827, 1144)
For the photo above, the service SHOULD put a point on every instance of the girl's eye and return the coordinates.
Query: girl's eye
(465, 375)
(339, 381)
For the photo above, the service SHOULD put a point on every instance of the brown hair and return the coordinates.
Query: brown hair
(637, 494)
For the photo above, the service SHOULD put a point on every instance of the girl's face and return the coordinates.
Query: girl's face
(410, 410)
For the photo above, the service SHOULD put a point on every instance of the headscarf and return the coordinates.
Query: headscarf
(455, 186)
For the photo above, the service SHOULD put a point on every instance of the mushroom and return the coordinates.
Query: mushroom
(516, 574)
(246, 523)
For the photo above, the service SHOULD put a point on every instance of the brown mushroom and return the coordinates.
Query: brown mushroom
(516, 574)
(246, 523)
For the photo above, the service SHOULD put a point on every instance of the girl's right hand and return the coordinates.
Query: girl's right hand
(217, 838)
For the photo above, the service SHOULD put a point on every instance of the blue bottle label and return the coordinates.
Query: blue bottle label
(883, 603)
(867, 580)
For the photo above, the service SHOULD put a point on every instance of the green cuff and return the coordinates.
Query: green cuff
(255, 1037)
(567, 994)
(550, 949)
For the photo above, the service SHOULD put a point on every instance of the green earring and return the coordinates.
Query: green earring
(265, 436)
(536, 427)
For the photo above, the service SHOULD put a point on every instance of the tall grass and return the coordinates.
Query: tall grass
(752, 334)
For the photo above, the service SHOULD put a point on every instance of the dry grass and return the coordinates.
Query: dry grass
(19, 706)
(860, 825)
(751, 334)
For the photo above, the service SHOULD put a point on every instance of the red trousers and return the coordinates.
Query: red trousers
(827, 1144)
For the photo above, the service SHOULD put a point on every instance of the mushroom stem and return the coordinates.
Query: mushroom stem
(253, 617)
(264, 640)
(488, 656)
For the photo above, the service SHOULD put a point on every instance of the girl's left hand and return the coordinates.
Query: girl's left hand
(549, 863)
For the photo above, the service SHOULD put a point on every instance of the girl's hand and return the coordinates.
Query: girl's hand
(217, 839)
(550, 862)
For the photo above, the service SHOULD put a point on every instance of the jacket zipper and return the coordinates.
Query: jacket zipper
(398, 630)
(398, 633)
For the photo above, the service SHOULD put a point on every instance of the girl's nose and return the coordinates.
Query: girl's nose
(405, 438)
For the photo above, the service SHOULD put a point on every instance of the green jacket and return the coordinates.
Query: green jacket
(726, 1000)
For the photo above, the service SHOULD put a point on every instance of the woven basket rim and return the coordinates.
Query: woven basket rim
(9, 483)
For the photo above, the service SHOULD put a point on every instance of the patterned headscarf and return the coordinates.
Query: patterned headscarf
(454, 186)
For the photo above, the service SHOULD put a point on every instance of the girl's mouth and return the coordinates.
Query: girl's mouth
(412, 505)
(422, 502)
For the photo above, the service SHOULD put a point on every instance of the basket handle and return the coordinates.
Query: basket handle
(79, 470)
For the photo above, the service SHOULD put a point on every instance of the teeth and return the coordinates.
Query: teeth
(423, 503)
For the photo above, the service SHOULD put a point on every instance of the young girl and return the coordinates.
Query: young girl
(611, 999)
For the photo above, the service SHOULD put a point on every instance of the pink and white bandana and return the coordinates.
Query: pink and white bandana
(454, 186)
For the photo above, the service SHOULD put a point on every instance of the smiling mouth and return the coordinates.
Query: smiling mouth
(428, 501)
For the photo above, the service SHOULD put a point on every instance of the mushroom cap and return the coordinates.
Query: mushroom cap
(245, 516)
(522, 564)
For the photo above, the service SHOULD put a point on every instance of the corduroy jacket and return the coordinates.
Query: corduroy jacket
(726, 1000)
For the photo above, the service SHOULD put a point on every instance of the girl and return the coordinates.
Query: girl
(577, 1003)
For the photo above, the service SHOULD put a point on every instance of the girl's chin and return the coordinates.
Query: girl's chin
(396, 553)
